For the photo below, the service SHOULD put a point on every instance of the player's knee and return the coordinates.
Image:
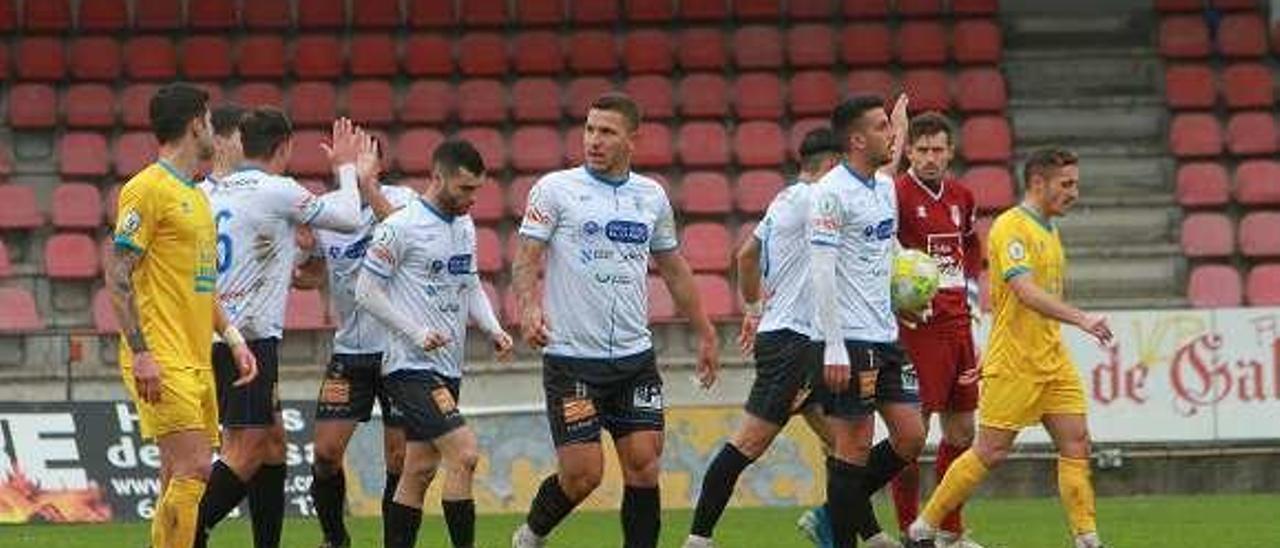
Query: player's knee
(465, 461)
(579, 483)
(908, 447)
(642, 472)
(750, 443)
(991, 454)
(1076, 447)
(328, 455)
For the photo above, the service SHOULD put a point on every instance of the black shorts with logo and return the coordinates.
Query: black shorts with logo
(427, 401)
(351, 383)
(786, 365)
(254, 405)
(584, 395)
(882, 373)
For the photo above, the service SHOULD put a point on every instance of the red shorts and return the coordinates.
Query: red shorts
(940, 357)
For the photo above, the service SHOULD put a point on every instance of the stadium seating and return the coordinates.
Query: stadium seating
(306, 310)
(482, 102)
(308, 159)
(517, 194)
(6, 266)
(1252, 134)
(866, 44)
(83, 155)
(312, 104)
(1260, 234)
(717, 297)
(413, 150)
(1214, 286)
(372, 55)
(981, 90)
(758, 96)
(539, 12)
(47, 16)
(653, 148)
(488, 251)
(134, 101)
(921, 43)
(870, 81)
(1262, 288)
(992, 187)
(701, 49)
(428, 55)
(483, 13)
(20, 312)
(39, 58)
(489, 207)
(322, 15)
(536, 148)
(655, 93)
(582, 91)
(1247, 85)
(1202, 184)
(157, 15)
(662, 308)
(537, 53)
(986, 139)
(976, 41)
(77, 206)
(376, 14)
(315, 57)
(1242, 35)
(759, 144)
(1184, 37)
(104, 314)
(703, 144)
(94, 58)
(811, 46)
(427, 102)
(266, 14)
(757, 48)
(371, 102)
(102, 15)
(704, 96)
(1195, 135)
(134, 151)
(20, 210)
(593, 52)
(482, 54)
(490, 143)
(929, 89)
(1207, 235)
(646, 51)
(811, 93)
(704, 193)
(709, 249)
(33, 106)
(1257, 182)
(755, 189)
(918, 8)
(1189, 87)
(261, 56)
(71, 256)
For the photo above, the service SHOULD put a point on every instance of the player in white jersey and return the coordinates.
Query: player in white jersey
(255, 211)
(778, 329)
(419, 280)
(228, 153)
(853, 228)
(598, 225)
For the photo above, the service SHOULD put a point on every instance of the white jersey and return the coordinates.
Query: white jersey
(599, 235)
(859, 217)
(358, 331)
(784, 262)
(426, 258)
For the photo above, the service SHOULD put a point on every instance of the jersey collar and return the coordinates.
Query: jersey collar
(942, 185)
(440, 214)
(175, 173)
(869, 182)
(615, 183)
(1044, 223)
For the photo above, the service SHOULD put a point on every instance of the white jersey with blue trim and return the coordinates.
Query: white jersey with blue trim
(784, 262)
(599, 235)
(859, 217)
(358, 331)
(426, 259)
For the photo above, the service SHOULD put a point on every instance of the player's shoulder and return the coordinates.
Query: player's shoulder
(1012, 220)
(398, 195)
(559, 178)
(149, 176)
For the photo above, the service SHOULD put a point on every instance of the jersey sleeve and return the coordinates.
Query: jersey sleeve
(297, 203)
(385, 251)
(542, 214)
(826, 217)
(664, 228)
(1009, 250)
(398, 196)
(137, 217)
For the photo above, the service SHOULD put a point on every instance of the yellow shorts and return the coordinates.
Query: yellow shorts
(1013, 402)
(188, 401)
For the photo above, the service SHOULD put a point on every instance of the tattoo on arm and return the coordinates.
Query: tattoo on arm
(119, 280)
(525, 272)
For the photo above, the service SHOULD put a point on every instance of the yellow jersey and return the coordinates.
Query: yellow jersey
(1024, 341)
(166, 218)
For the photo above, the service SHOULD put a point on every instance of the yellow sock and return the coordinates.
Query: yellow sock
(965, 474)
(182, 504)
(160, 521)
(1076, 491)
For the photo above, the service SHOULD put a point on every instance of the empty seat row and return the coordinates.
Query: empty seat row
(1206, 184)
(1176, 6)
(1206, 234)
(1219, 285)
(1239, 35)
(1247, 134)
(1241, 86)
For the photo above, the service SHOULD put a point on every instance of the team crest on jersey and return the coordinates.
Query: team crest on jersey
(921, 212)
(955, 215)
(130, 223)
(1016, 251)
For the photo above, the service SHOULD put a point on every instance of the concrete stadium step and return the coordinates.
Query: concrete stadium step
(1111, 225)
(1099, 278)
(1082, 72)
(1096, 27)
(1118, 168)
(1172, 301)
(1072, 120)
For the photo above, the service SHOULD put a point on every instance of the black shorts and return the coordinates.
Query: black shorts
(254, 405)
(621, 395)
(786, 363)
(882, 373)
(351, 383)
(428, 402)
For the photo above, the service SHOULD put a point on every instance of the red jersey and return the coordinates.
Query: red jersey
(942, 225)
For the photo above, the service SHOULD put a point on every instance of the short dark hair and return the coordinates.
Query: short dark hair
(455, 154)
(1044, 160)
(818, 143)
(263, 131)
(849, 113)
(620, 103)
(173, 107)
(927, 125)
(226, 119)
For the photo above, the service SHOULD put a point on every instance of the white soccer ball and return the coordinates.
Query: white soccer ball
(915, 280)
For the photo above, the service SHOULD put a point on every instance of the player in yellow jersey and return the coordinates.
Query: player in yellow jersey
(1027, 375)
(161, 274)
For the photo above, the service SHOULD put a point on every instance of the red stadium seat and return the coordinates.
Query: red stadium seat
(975, 7)
(866, 9)
(427, 102)
(648, 51)
(490, 143)
(104, 313)
(705, 193)
(1207, 235)
(317, 56)
(206, 58)
(150, 58)
(20, 210)
(769, 10)
(39, 58)
(71, 256)
(89, 106)
(212, 15)
(258, 94)
(482, 102)
(704, 10)
(1247, 85)
(94, 58)
(536, 148)
(649, 11)
(662, 308)
(1260, 234)
(799, 129)
(755, 189)
(371, 102)
(20, 313)
(653, 147)
(1214, 286)
(538, 53)
(813, 93)
(717, 296)
(759, 144)
(4, 60)
(8, 16)
(306, 310)
(313, 104)
(157, 15)
(701, 49)
(573, 145)
(866, 44)
(977, 41)
(810, 10)
(1257, 182)
(134, 151)
(435, 14)
(992, 187)
(703, 96)
(1192, 135)
(376, 14)
(1234, 5)
(97, 15)
(482, 54)
(758, 96)
(1262, 287)
(322, 15)
(1203, 184)
(919, 8)
(929, 89)
(1252, 134)
(489, 206)
(587, 13)
(536, 100)
(539, 12)
(484, 13)
(986, 139)
(757, 47)
(1189, 87)
(870, 81)
(83, 155)
(261, 56)
(707, 247)
(134, 105)
(308, 159)
(921, 43)
(518, 195)
(593, 52)
(266, 14)
(655, 93)
(414, 149)
(4, 164)
(1173, 6)
(33, 106)
(428, 55)
(1242, 35)
(488, 251)
(1275, 37)
(47, 16)
(1184, 37)
(981, 90)
(703, 144)
(811, 46)
(582, 92)
(373, 55)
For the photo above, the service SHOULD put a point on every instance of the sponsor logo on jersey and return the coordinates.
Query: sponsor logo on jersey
(460, 264)
(881, 231)
(627, 232)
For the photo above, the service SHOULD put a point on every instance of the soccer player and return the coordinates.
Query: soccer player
(420, 282)
(599, 224)
(936, 215)
(228, 153)
(255, 213)
(853, 228)
(778, 330)
(1028, 376)
(162, 276)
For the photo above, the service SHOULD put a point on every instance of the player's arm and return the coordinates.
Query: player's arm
(368, 169)
(480, 311)
(338, 210)
(541, 218)
(825, 221)
(675, 271)
(246, 362)
(311, 274)
(900, 122)
(379, 267)
(136, 223)
(749, 288)
(1047, 304)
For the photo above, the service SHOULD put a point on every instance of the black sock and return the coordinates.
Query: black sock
(549, 507)
(847, 500)
(717, 487)
(222, 494)
(460, 517)
(882, 466)
(329, 494)
(641, 517)
(266, 505)
(388, 498)
(402, 524)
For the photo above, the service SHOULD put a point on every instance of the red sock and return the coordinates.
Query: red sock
(906, 495)
(946, 454)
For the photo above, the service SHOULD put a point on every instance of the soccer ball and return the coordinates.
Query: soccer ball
(915, 280)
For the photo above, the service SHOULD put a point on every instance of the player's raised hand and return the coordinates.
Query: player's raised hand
(146, 377)
(434, 340)
(747, 336)
(534, 327)
(1096, 325)
(246, 364)
(368, 167)
(503, 345)
(898, 117)
(345, 143)
(836, 376)
(708, 359)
